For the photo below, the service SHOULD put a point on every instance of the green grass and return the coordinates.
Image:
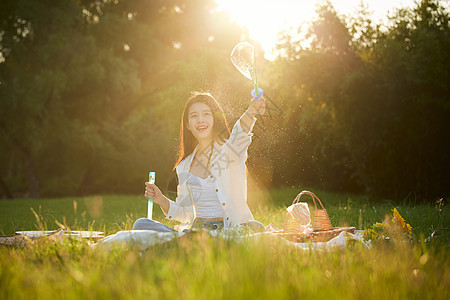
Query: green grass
(111, 213)
(201, 267)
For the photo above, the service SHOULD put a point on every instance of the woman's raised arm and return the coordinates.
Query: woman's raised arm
(247, 119)
(241, 135)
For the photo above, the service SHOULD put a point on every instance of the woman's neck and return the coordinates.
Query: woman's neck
(204, 145)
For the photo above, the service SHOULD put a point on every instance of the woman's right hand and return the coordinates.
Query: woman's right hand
(152, 191)
(257, 106)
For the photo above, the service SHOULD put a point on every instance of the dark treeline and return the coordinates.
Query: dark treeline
(92, 94)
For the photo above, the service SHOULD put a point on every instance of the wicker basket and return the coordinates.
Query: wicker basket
(322, 228)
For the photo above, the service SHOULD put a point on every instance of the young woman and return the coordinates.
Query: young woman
(211, 170)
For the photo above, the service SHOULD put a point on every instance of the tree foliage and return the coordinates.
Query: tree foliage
(89, 88)
(92, 93)
(375, 105)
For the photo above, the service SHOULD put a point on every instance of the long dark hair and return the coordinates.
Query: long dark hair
(221, 131)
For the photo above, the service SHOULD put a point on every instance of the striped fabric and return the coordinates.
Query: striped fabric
(300, 213)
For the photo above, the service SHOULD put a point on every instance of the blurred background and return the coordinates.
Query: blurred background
(91, 93)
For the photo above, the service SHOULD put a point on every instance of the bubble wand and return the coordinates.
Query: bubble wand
(151, 179)
(243, 58)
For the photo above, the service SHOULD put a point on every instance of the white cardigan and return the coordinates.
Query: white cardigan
(230, 173)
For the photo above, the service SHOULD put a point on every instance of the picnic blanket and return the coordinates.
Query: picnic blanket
(24, 238)
(143, 239)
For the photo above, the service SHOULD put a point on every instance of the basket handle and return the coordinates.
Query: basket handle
(314, 197)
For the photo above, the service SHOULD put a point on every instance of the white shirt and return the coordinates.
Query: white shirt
(204, 196)
(229, 172)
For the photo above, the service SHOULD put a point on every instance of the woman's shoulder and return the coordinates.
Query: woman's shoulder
(181, 166)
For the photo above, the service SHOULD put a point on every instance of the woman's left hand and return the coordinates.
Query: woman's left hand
(257, 106)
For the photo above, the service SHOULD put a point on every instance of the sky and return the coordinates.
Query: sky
(265, 18)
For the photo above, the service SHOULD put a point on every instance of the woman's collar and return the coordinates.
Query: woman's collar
(191, 156)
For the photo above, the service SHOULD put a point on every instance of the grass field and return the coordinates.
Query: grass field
(202, 267)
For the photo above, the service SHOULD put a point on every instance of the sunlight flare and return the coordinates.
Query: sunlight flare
(265, 19)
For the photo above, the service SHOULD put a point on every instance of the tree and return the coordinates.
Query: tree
(82, 79)
(372, 102)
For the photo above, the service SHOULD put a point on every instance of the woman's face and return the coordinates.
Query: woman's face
(200, 121)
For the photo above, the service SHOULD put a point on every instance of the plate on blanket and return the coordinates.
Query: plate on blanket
(35, 234)
(77, 234)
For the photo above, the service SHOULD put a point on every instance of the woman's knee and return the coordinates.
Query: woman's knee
(255, 226)
(141, 223)
(147, 224)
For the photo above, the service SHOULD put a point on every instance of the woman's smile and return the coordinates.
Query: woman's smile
(202, 128)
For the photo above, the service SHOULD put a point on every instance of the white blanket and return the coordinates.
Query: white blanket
(138, 239)
(143, 239)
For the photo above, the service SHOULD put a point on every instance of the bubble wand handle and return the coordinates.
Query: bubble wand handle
(255, 81)
(151, 179)
(256, 92)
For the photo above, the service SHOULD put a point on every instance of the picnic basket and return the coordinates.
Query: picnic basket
(322, 228)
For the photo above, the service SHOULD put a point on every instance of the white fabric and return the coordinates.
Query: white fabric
(139, 239)
(206, 201)
(300, 212)
(229, 172)
(143, 239)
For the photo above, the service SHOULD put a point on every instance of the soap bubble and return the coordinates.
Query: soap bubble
(243, 58)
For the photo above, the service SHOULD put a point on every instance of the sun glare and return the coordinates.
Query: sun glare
(265, 19)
